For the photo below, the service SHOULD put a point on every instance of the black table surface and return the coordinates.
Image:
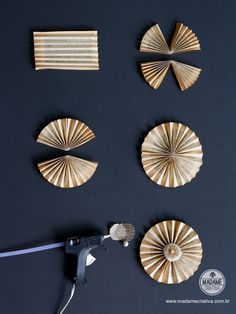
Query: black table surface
(121, 108)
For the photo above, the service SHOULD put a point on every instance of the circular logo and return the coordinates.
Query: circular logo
(212, 282)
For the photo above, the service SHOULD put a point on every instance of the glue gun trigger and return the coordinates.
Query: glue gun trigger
(90, 259)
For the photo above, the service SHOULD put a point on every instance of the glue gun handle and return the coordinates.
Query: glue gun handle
(86, 245)
(80, 279)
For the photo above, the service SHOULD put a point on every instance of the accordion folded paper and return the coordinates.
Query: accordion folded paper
(154, 73)
(66, 171)
(171, 154)
(65, 134)
(66, 50)
(171, 252)
(183, 40)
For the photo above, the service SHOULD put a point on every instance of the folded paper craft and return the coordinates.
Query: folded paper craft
(183, 40)
(171, 154)
(171, 252)
(65, 134)
(155, 72)
(66, 50)
(66, 171)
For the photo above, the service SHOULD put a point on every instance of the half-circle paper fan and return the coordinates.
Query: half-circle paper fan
(184, 40)
(171, 154)
(154, 72)
(186, 75)
(171, 252)
(153, 41)
(65, 134)
(67, 171)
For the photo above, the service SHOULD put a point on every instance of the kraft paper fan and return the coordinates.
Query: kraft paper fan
(65, 134)
(154, 72)
(186, 75)
(184, 40)
(171, 154)
(154, 41)
(171, 252)
(67, 171)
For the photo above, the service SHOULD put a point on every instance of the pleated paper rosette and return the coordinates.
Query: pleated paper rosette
(171, 154)
(171, 252)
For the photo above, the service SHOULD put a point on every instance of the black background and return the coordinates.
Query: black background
(121, 108)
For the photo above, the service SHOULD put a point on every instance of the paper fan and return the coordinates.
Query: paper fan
(184, 40)
(154, 41)
(171, 154)
(67, 171)
(154, 72)
(171, 252)
(65, 134)
(186, 75)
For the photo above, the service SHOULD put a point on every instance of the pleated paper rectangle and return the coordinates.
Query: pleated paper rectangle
(66, 50)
